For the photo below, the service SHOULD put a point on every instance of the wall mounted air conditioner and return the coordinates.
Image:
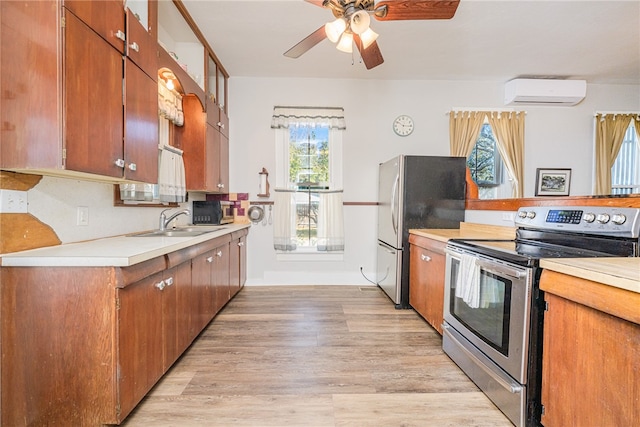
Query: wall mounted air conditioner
(544, 92)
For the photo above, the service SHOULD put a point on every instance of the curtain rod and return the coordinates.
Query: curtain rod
(615, 112)
(172, 149)
(310, 108)
(283, 190)
(485, 110)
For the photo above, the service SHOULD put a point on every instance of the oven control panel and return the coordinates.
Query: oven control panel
(601, 220)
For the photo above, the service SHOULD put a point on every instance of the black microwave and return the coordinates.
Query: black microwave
(212, 212)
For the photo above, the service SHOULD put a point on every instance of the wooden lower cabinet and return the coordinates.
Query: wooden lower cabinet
(591, 353)
(83, 345)
(238, 261)
(426, 279)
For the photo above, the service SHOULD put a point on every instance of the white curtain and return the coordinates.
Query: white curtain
(330, 222)
(284, 221)
(284, 116)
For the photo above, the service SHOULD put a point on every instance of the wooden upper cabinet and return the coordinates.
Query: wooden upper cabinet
(141, 46)
(105, 17)
(92, 101)
(29, 103)
(141, 125)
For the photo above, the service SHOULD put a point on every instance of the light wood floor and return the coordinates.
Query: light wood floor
(316, 356)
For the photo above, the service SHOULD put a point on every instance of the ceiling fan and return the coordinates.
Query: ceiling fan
(353, 18)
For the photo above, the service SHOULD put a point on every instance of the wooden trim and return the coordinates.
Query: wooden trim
(608, 299)
(631, 201)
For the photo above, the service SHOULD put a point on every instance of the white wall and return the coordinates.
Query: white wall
(554, 137)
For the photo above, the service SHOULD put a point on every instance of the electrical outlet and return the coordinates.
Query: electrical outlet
(82, 217)
(13, 201)
(508, 216)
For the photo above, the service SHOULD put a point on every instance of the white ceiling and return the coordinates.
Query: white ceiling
(596, 40)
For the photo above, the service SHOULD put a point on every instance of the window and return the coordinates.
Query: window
(625, 173)
(308, 190)
(309, 150)
(486, 165)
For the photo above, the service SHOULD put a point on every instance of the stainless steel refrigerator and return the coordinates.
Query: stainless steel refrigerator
(414, 192)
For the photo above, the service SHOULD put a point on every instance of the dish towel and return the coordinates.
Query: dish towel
(468, 281)
(171, 176)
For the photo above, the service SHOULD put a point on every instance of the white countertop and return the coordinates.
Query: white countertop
(121, 251)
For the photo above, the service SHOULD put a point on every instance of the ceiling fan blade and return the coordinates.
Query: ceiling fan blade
(415, 10)
(307, 43)
(371, 56)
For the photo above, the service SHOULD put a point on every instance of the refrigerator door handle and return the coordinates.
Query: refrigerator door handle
(394, 193)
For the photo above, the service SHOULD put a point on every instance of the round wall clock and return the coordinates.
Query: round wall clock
(403, 125)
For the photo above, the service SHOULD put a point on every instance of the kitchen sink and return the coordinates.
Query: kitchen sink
(180, 232)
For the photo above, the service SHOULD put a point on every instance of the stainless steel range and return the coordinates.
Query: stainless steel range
(493, 310)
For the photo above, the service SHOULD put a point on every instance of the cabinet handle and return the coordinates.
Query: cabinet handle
(169, 281)
(133, 166)
(220, 185)
(240, 243)
(120, 35)
(425, 257)
(210, 259)
(160, 285)
(219, 254)
(221, 125)
(119, 163)
(135, 46)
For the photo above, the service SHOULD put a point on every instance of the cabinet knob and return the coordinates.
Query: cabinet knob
(133, 166)
(221, 125)
(220, 185)
(119, 163)
(160, 285)
(240, 243)
(425, 257)
(219, 254)
(120, 35)
(210, 259)
(169, 281)
(135, 46)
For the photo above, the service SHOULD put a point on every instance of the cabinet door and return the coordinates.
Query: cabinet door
(169, 325)
(140, 347)
(202, 291)
(141, 125)
(234, 266)
(184, 301)
(243, 259)
(223, 161)
(105, 17)
(220, 277)
(141, 47)
(426, 279)
(212, 159)
(92, 104)
(590, 364)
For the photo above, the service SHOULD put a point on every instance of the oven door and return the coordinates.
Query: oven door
(492, 314)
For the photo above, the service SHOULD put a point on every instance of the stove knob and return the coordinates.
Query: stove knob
(589, 217)
(531, 214)
(618, 219)
(522, 214)
(603, 218)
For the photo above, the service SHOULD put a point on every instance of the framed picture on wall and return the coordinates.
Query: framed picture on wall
(553, 182)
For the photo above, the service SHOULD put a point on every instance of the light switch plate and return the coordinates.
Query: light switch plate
(13, 201)
(82, 217)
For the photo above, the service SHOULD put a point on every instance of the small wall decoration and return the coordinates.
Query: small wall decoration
(553, 182)
(264, 183)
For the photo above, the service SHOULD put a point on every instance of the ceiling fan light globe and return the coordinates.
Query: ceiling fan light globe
(346, 43)
(368, 37)
(360, 22)
(334, 29)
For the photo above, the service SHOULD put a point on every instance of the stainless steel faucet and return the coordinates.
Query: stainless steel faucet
(164, 221)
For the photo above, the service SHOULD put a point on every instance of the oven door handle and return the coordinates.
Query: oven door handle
(514, 388)
(501, 269)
